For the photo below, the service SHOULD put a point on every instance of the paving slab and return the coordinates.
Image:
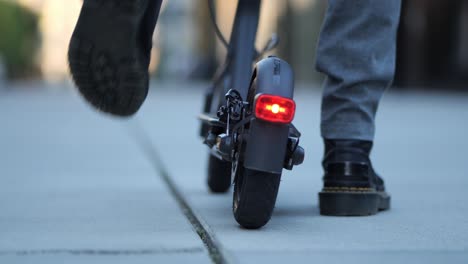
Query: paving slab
(420, 150)
(75, 188)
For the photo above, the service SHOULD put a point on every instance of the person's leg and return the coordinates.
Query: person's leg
(356, 52)
(110, 52)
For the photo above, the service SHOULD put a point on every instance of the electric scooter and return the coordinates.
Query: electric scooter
(247, 121)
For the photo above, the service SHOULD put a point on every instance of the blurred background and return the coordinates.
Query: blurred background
(432, 45)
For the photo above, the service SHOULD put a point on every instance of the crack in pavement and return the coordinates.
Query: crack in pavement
(138, 133)
(101, 252)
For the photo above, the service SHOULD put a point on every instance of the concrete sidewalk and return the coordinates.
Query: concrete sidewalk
(82, 187)
(75, 188)
(420, 149)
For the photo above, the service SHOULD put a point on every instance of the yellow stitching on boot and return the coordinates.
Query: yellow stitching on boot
(348, 189)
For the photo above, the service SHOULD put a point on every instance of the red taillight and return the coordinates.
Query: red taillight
(274, 108)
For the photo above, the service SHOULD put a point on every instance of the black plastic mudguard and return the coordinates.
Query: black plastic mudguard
(267, 142)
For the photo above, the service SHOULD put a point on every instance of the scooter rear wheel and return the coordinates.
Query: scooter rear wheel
(219, 175)
(255, 195)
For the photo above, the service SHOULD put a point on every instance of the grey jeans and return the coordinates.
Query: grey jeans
(356, 52)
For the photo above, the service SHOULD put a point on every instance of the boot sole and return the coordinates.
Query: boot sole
(351, 203)
(105, 58)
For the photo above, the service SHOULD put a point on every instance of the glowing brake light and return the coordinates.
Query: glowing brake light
(274, 108)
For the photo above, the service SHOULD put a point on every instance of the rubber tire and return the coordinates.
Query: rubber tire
(256, 192)
(219, 175)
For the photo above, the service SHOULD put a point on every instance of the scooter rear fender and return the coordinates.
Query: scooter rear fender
(267, 142)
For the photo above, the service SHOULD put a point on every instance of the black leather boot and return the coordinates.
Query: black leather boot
(110, 51)
(351, 186)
